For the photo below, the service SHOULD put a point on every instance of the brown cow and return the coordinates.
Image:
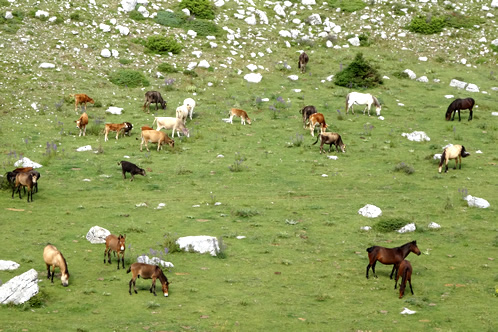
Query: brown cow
(81, 123)
(315, 119)
(153, 97)
(117, 127)
(303, 61)
(146, 128)
(81, 98)
(155, 136)
(331, 138)
(306, 111)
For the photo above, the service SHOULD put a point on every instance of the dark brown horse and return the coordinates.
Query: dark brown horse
(460, 104)
(116, 244)
(303, 61)
(148, 271)
(405, 272)
(390, 256)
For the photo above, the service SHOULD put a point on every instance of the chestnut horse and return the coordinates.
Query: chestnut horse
(460, 104)
(390, 256)
(148, 271)
(53, 257)
(116, 244)
(405, 272)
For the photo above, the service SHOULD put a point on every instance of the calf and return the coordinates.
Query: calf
(81, 123)
(306, 111)
(331, 138)
(315, 119)
(131, 168)
(191, 103)
(117, 127)
(171, 123)
(240, 113)
(146, 128)
(127, 129)
(81, 98)
(303, 61)
(182, 112)
(153, 97)
(155, 136)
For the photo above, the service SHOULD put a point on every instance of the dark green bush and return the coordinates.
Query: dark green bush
(76, 16)
(190, 73)
(199, 8)
(136, 16)
(169, 19)
(401, 74)
(163, 45)
(390, 225)
(427, 25)
(359, 74)
(170, 243)
(203, 27)
(347, 5)
(364, 40)
(128, 78)
(166, 68)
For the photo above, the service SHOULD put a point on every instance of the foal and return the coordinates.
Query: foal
(390, 256)
(117, 244)
(405, 272)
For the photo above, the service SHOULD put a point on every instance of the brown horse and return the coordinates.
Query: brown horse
(116, 244)
(148, 271)
(390, 256)
(405, 272)
(460, 104)
(303, 61)
(456, 152)
(53, 257)
(27, 180)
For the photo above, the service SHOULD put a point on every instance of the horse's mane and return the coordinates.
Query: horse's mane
(65, 263)
(162, 276)
(376, 102)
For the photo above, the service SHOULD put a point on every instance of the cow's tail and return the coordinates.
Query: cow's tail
(464, 153)
(155, 119)
(319, 135)
(129, 270)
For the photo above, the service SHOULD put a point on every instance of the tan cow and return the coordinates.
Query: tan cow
(117, 127)
(155, 136)
(81, 123)
(81, 98)
(315, 119)
(171, 123)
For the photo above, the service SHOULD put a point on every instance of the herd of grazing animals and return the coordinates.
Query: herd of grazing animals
(402, 268)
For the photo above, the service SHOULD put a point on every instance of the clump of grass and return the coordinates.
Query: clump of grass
(390, 225)
(163, 45)
(222, 251)
(296, 141)
(152, 305)
(166, 68)
(246, 213)
(237, 164)
(402, 167)
(170, 244)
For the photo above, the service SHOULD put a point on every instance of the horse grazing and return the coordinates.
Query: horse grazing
(456, 152)
(390, 256)
(53, 258)
(25, 179)
(303, 61)
(306, 111)
(148, 271)
(116, 244)
(457, 105)
(405, 272)
(153, 97)
(362, 99)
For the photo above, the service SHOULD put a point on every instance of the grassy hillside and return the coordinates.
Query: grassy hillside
(302, 262)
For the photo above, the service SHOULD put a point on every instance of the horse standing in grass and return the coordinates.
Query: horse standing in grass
(116, 244)
(53, 258)
(456, 152)
(362, 99)
(460, 104)
(25, 179)
(148, 271)
(390, 256)
(405, 272)
(303, 61)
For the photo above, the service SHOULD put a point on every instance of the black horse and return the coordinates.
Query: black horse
(460, 104)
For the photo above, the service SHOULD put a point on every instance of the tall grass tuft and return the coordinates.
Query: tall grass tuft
(237, 165)
(402, 167)
(390, 224)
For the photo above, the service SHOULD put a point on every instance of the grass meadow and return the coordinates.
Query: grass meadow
(302, 263)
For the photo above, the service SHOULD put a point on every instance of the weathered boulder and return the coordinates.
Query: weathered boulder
(8, 265)
(416, 136)
(407, 228)
(253, 77)
(201, 244)
(20, 288)
(434, 225)
(114, 110)
(128, 5)
(97, 234)
(477, 202)
(410, 74)
(154, 261)
(26, 162)
(370, 211)
(458, 84)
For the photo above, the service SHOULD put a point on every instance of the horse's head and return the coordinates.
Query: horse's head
(377, 109)
(414, 248)
(121, 242)
(65, 279)
(448, 115)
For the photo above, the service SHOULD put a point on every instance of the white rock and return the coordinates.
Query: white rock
(494, 113)
(422, 79)
(253, 77)
(192, 33)
(8, 15)
(128, 5)
(478, 151)
(472, 88)
(20, 288)
(191, 65)
(40, 13)
(252, 67)
(114, 53)
(141, 205)
(251, 20)
(46, 65)
(279, 10)
(308, 2)
(434, 225)
(84, 148)
(114, 110)
(410, 73)
(495, 41)
(97, 234)
(449, 96)
(422, 58)
(333, 157)
(437, 156)
(154, 261)
(240, 237)
(142, 10)
(407, 228)
(219, 3)
(293, 77)
(355, 41)
(105, 53)
(370, 211)
(125, 31)
(104, 27)
(201, 244)
(477, 202)
(34, 106)
(380, 117)
(26, 162)
(366, 228)
(416, 136)
(204, 64)
(315, 19)
(407, 311)
(8, 265)
(458, 84)
(494, 4)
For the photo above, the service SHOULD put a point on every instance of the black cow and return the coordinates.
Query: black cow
(131, 168)
(306, 112)
(153, 97)
(127, 129)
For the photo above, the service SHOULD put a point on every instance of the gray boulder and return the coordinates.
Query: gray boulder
(201, 244)
(8, 265)
(97, 234)
(20, 288)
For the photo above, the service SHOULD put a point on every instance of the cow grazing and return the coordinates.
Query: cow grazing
(306, 111)
(155, 136)
(81, 98)
(190, 103)
(240, 113)
(456, 152)
(315, 119)
(146, 128)
(182, 112)
(303, 61)
(117, 127)
(171, 123)
(331, 138)
(25, 179)
(127, 129)
(81, 123)
(131, 168)
(153, 97)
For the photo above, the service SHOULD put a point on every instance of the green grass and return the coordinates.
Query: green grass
(301, 265)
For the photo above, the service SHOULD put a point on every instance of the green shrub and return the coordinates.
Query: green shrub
(136, 16)
(402, 167)
(166, 68)
(170, 19)
(359, 74)
(190, 73)
(199, 8)
(364, 40)
(163, 45)
(203, 27)
(347, 5)
(427, 25)
(128, 78)
(76, 16)
(390, 225)
(494, 47)
(170, 243)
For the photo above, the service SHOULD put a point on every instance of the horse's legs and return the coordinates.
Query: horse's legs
(373, 269)
(135, 285)
(118, 260)
(109, 256)
(153, 287)
(392, 272)
(122, 259)
(48, 271)
(470, 115)
(131, 281)
(459, 118)
(368, 268)
(53, 272)
(410, 281)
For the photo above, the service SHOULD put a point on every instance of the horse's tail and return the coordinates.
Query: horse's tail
(299, 63)
(347, 102)
(443, 158)
(119, 163)
(129, 270)
(464, 153)
(370, 249)
(319, 135)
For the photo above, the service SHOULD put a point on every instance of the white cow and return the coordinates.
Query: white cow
(171, 123)
(190, 102)
(182, 113)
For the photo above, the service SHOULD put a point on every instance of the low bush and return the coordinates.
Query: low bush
(163, 45)
(427, 25)
(166, 68)
(203, 27)
(136, 16)
(402, 167)
(199, 8)
(169, 19)
(390, 225)
(359, 74)
(128, 78)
